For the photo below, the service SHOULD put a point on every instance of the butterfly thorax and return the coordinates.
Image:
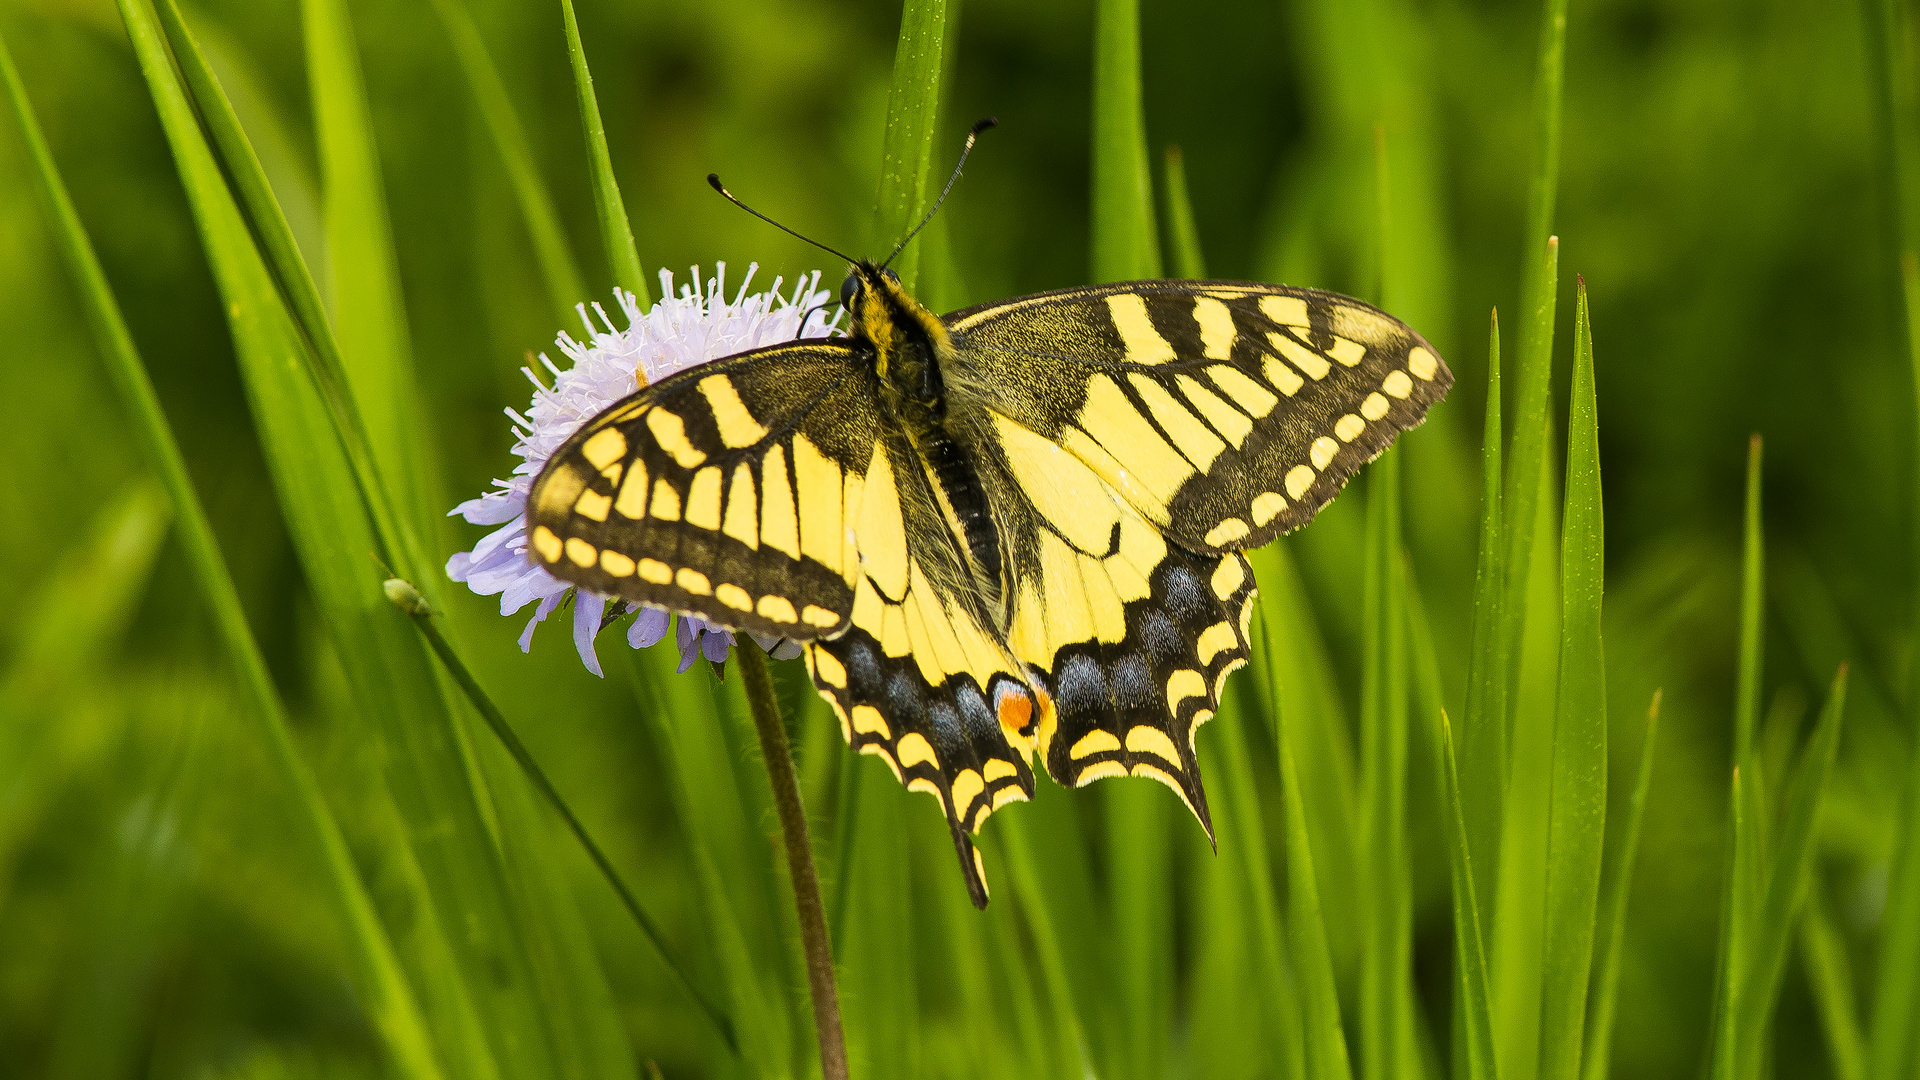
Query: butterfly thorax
(908, 341)
(909, 346)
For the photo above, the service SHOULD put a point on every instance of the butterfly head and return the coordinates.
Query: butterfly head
(907, 339)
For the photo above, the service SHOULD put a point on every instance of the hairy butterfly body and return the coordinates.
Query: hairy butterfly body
(1012, 529)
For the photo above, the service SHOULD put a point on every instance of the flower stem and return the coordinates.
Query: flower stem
(806, 882)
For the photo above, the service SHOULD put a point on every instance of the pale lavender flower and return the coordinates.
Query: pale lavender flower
(697, 325)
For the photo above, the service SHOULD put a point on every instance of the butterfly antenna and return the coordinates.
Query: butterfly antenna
(972, 134)
(714, 179)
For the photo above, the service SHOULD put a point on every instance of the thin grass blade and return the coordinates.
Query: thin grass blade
(550, 248)
(1613, 913)
(1752, 610)
(1831, 974)
(1893, 1039)
(615, 233)
(1299, 683)
(393, 541)
(1071, 1034)
(1791, 866)
(1469, 949)
(369, 316)
(1312, 960)
(1538, 291)
(1576, 826)
(83, 603)
(388, 999)
(1483, 743)
(1731, 975)
(1386, 1029)
(1473, 1017)
(1183, 236)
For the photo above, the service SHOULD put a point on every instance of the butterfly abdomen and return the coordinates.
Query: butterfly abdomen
(966, 499)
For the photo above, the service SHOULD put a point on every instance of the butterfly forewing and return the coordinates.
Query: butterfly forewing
(727, 490)
(1225, 412)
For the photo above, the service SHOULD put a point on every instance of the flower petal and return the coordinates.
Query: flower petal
(649, 627)
(588, 607)
(547, 604)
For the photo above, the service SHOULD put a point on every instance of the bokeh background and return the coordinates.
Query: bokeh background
(1721, 193)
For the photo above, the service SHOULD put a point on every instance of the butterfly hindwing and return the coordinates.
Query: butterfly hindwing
(726, 490)
(1130, 637)
(1225, 412)
(919, 678)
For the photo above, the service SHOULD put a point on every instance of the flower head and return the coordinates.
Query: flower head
(694, 326)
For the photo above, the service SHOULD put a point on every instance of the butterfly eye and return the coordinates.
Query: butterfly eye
(891, 276)
(848, 290)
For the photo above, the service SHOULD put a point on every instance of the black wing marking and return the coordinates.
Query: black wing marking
(1225, 412)
(726, 490)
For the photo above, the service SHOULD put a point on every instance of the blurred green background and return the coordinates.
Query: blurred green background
(1721, 194)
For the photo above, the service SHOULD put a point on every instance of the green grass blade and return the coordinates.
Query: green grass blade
(1831, 974)
(369, 317)
(1539, 263)
(1538, 285)
(1386, 1031)
(1125, 242)
(85, 601)
(1893, 1039)
(622, 257)
(1518, 946)
(1529, 458)
(877, 958)
(1183, 236)
(1791, 866)
(1483, 749)
(1312, 960)
(70, 621)
(913, 114)
(389, 1000)
(1469, 949)
(1071, 1031)
(1576, 825)
(1751, 890)
(1300, 685)
(1613, 914)
(550, 249)
(1733, 937)
(1243, 831)
(1752, 612)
